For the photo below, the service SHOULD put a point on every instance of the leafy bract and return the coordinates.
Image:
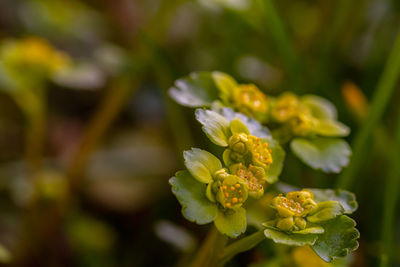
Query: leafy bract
(325, 211)
(191, 195)
(346, 198)
(215, 126)
(237, 127)
(329, 155)
(338, 240)
(196, 90)
(290, 239)
(231, 223)
(201, 164)
(310, 230)
(331, 128)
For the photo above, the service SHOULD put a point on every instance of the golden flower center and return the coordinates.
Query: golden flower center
(253, 179)
(260, 151)
(233, 194)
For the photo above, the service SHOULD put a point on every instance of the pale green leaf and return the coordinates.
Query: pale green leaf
(338, 240)
(201, 164)
(331, 128)
(346, 198)
(191, 194)
(329, 155)
(215, 126)
(325, 211)
(231, 223)
(289, 238)
(196, 90)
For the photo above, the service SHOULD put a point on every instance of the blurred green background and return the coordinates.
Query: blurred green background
(85, 182)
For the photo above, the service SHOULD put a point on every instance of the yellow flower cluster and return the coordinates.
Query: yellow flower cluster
(288, 115)
(292, 209)
(250, 159)
(288, 109)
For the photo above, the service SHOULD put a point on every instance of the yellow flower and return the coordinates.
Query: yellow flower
(260, 152)
(231, 193)
(296, 116)
(302, 124)
(253, 177)
(285, 107)
(249, 100)
(248, 149)
(306, 257)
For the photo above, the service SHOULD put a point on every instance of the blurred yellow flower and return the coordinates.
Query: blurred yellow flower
(33, 52)
(305, 257)
(249, 100)
(355, 100)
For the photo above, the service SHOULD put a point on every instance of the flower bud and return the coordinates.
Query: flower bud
(238, 143)
(285, 224)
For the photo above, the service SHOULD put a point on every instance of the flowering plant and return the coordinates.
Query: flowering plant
(252, 129)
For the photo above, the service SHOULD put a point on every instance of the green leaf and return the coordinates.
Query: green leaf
(329, 155)
(196, 90)
(338, 240)
(215, 126)
(320, 107)
(201, 164)
(290, 239)
(231, 223)
(346, 198)
(325, 211)
(192, 196)
(278, 158)
(255, 128)
(226, 84)
(331, 128)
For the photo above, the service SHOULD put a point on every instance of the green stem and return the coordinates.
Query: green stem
(32, 104)
(240, 246)
(390, 200)
(113, 102)
(380, 100)
(213, 243)
(282, 41)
